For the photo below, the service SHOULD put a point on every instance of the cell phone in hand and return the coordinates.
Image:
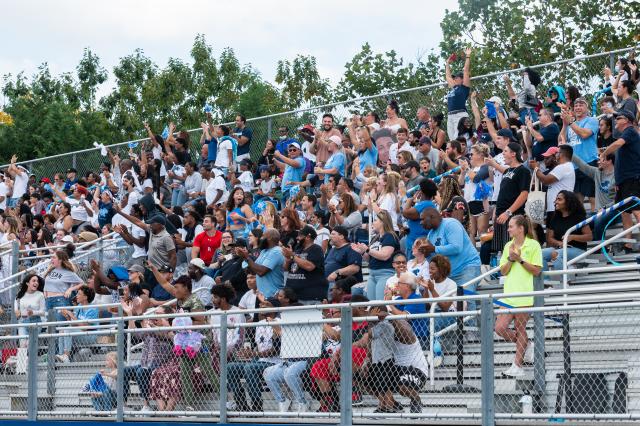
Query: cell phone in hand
(453, 57)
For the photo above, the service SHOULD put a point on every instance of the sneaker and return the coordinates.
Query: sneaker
(390, 410)
(145, 410)
(398, 406)
(64, 358)
(231, 405)
(528, 353)
(415, 406)
(356, 399)
(437, 361)
(283, 407)
(514, 371)
(299, 407)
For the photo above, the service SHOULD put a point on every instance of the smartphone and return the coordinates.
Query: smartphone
(121, 291)
(453, 57)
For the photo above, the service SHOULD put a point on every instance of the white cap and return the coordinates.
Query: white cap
(495, 99)
(67, 239)
(336, 139)
(197, 262)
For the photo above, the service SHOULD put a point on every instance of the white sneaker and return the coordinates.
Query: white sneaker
(299, 407)
(514, 371)
(231, 405)
(528, 353)
(437, 361)
(145, 410)
(64, 358)
(283, 407)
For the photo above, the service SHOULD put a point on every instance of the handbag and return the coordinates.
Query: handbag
(535, 207)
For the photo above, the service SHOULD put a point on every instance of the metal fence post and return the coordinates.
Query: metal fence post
(223, 368)
(15, 258)
(460, 339)
(51, 358)
(487, 321)
(346, 367)
(270, 127)
(73, 160)
(120, 377)
(539, 368)
(612, 62)
(32, 375)
(100, 251)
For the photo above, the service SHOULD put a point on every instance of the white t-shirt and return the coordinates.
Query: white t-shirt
(388, 203)
(246, 181)
(306, 151)
(419, 269)
(266, 186)
(566, 176)
(233, 333)
(20, 183)
(497, 176)
(3, 193)
(248, 300)
(205, 282)
(448, 285)
(394, 149)
(138, 252)
(78, 211)
(222, 157)
(215, 184)
(134, 197)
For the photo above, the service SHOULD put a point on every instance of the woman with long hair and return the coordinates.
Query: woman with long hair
(569, 212)
(385, 197)
(521, 261)
(63, 217)
(290, 225)
(435, 131)
(30, 306)
(239, 213)
(60, 281)
(345, 213)
(452, 202)
(379, 254)
(475, 178)
(394, 122)
(465, 129)
(84, 297)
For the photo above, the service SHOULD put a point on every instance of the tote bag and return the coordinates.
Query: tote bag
(535, 208)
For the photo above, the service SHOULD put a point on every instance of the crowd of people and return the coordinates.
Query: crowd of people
(419, 207)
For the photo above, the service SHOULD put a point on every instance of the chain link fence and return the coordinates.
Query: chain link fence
(584, 72)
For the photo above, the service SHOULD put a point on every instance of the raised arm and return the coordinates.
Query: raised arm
(466, 71)
(510, 91)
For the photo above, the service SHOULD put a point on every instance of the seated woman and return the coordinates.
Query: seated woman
(569, 212)
(345, 213)
(84, 297)
(439, 285)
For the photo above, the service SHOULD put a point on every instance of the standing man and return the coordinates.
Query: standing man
(206, 243)
(336, 163)
(268, 265)
(243, 135)
(319, 147)
(544, 138)
(422, 120)
(283, 140)
(581, 131)
(306, 268)
(294, 166)
(627, 164)
(460, 85)
(562, 174)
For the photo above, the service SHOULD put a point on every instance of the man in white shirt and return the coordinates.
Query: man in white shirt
(401, 145)
(4, 191)
(562, 174)
(20, 177)
(216, 192)
(224, 157)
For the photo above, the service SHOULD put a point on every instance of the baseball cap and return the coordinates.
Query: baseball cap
(458, 74)
(308, 231)
(624, 113)
(198, 263)
(410, 164)
(72, 170)
(245, 162)
(336, 139)
(81, 189)
(507, 133)
(67, 239)
(517, 148)
(136, 268)
(46, 180)
(551, 151)
(308, 128)
(581, 100)
(296, 145)
(157, 219)
(495, 99)
(424, 140)
(86, 236)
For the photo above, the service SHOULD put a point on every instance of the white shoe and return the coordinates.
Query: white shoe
(528, 353)
(145, 410)
(299, 407)
(437, 361)
(231, 405)
(64, 358)
(283, 407)
(514, 371)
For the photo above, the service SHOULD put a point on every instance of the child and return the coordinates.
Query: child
(267, 183)
(425, 168)
(102, 386)
(245, 180)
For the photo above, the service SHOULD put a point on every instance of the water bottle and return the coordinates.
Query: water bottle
(437, 347)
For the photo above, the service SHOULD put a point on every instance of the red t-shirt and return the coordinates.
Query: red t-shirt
(208, 245)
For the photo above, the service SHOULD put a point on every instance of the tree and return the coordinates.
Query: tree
(90, 75)
(301, 82)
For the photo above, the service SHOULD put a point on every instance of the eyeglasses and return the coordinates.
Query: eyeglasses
(292, 150)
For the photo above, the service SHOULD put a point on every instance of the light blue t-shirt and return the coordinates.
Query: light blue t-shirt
(87, 313)
(337, 161)
(271, 282)
(368, 158)
(293, 174)
(451, 240)
(585, 149)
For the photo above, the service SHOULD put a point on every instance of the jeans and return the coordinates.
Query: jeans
(56, 302)
(141, 375)
(65, 343)
(105, 402)
(251, 371)
(203, 360)
(557, 264)
(178, 197)
(23, 331)
(289, 373)
(599, 224)
(463, 277)
(524, 112)
(377, 281)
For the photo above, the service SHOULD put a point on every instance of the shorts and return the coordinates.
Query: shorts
(410, 377)
(382, 377)
(476, 208)
(500, 237)
(629, 188)
(320, 369)
(584, 184)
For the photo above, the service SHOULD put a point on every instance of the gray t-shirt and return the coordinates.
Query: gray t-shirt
(159, 247)
(382, 342)
(59, 280)
(204, 295)
(605, 183)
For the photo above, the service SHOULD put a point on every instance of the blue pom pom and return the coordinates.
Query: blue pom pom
(165, 132)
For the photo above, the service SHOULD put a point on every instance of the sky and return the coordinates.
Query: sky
(260, 32)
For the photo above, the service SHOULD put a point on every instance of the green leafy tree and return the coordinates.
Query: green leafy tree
(301, 82)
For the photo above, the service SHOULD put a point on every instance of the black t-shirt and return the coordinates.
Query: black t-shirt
(550, 134)
(289, 239)
(384, 241)
(559, 225)
(308, 285)
(627, 164)
(514, 181)
(338, 258)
